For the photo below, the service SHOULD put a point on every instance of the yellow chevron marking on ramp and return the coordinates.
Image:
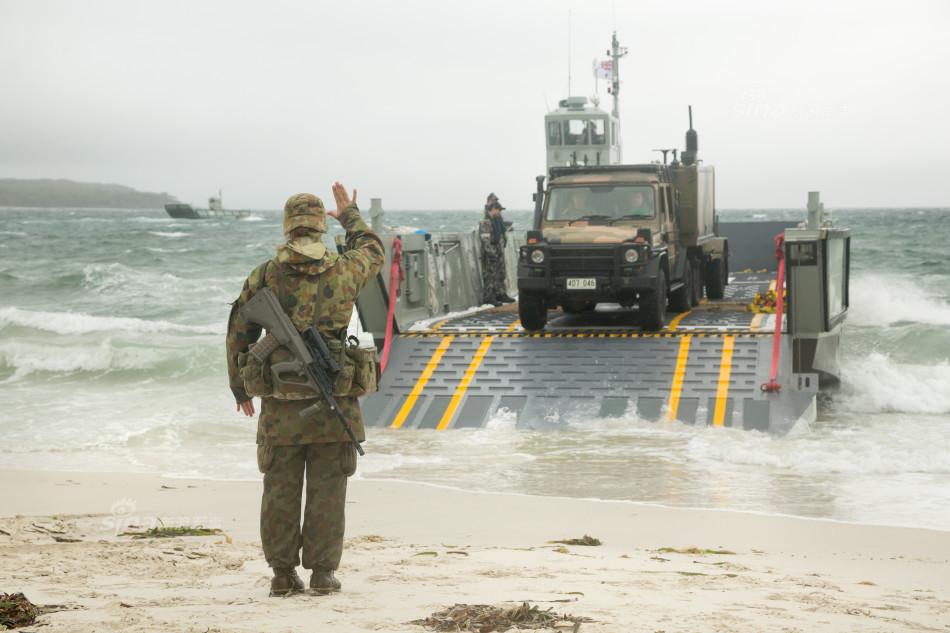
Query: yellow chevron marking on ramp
(676, 321)
(438, 326)
(514, 325)
(464, 383)
(757, 321)
(430, 367)
(677, 387)
(725, 369)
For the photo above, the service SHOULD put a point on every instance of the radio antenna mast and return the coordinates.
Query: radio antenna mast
(568, 52)
(616, 52)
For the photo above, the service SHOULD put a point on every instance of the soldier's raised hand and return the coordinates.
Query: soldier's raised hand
(343, 200)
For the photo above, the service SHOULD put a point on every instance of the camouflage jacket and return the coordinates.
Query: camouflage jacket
(485, 233)
(299, 265)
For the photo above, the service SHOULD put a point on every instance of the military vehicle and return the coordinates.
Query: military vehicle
(642, 235)
(605, 232)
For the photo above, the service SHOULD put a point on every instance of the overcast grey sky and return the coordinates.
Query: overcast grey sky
(431, 104)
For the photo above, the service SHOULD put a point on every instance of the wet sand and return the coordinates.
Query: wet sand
(414, 549)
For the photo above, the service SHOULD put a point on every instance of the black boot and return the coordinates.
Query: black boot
(324, 582)
(285, 582)
(504, 299)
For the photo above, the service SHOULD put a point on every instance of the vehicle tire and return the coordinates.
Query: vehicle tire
(653, 305)
(681, 300)
(532, 310)
(578, 307)
(697, 295)
(716, 279)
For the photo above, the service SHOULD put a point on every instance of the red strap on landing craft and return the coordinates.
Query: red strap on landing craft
(772, 385)
(396, 276)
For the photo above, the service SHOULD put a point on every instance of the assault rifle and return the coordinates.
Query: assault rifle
(312, 365)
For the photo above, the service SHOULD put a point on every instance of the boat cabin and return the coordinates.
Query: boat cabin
(580, 133)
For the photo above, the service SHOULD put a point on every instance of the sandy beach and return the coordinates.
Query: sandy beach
(414, 549)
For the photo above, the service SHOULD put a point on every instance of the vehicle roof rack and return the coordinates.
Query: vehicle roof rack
(649, 168)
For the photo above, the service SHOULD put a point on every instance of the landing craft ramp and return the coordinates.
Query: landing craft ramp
(705, 368)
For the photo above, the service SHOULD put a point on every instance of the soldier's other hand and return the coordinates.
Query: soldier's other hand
(343, 200)
(246, 407)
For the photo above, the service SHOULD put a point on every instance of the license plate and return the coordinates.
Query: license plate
(582, 284)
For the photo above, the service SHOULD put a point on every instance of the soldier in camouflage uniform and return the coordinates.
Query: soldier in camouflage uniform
(290, 446)
(492, 233)
(489, 201)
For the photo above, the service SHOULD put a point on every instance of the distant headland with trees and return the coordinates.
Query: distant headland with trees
(70, 194)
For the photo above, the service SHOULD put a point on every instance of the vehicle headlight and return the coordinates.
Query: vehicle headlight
(537, 256)
(631, 255)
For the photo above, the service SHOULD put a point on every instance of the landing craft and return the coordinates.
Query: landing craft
(681, 330)
(215, 209)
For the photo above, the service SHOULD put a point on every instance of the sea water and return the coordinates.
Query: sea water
(112, 358)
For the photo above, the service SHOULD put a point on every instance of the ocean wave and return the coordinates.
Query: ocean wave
(79, 323)
(134, 287)
(879, 300)
(378, 463)
(105, 277)
(154, 249)
(128, 286)
(888, 446)
(912, 343)
(878, 384)
(28, 358)
(169, 233)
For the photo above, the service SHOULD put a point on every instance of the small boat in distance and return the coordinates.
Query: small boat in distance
(215, 210)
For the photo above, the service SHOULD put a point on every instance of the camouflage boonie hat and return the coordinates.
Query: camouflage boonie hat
(304, 209)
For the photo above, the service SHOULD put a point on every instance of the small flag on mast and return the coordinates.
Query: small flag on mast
(603, 69)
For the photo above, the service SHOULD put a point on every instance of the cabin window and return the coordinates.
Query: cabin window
(598, 131)
(575, 132)
(554, 133)
(836, 276)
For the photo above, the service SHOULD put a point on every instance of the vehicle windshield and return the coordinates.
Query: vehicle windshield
(613, 203)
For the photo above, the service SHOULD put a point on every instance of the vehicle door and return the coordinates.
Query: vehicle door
(669, 228)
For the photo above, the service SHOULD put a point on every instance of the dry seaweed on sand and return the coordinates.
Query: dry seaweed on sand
(66, 539)
(587, 540)
(695, 551)
(16, 611)
(483, 618)
(173, 532)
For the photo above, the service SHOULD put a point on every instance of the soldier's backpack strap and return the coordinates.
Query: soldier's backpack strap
(281, 284)
(318, 300)
(262, 280)
(281, 281)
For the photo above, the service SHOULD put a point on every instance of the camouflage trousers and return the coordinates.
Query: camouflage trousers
(494, 279)
(325, 468)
